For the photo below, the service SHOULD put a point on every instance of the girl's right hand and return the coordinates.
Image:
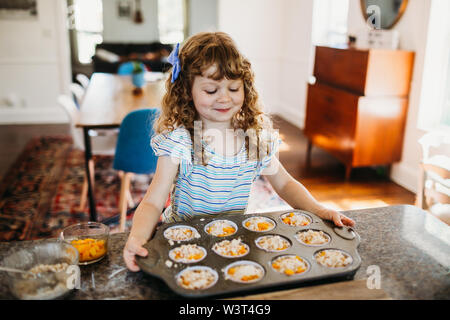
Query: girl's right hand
(132, 248)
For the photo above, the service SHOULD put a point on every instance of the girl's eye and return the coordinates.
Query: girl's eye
(234, 90)
(211, 92)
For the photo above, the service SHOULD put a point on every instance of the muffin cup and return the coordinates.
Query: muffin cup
(284, 215)
(332, 249)
(194, 235)
(265, 219)
(313, 245)
(291, 256)
(231, 223)
(272, 235)
(212, 271)
(231, 257)
(239, 263)
(186, 261)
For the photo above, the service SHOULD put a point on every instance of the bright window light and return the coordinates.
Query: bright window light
(88, 26)
(171, 21)
(434, 108)
(330, 22)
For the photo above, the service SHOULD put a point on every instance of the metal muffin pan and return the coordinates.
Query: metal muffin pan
(344, 239)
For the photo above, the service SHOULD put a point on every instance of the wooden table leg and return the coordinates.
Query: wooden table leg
(87, 158)
(348, 172)
(308, 153)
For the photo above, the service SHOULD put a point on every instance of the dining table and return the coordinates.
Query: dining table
(108, 99)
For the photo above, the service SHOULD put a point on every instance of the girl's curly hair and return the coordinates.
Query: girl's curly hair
(198, 54)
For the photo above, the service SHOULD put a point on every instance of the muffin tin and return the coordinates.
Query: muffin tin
(344, 239)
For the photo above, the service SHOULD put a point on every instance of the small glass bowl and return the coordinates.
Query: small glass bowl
(89, 238)
(46, 285)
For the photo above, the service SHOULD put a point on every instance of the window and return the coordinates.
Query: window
(172, 21)
(445, 118)
(434, 108)
(87, 20)
(330, 22)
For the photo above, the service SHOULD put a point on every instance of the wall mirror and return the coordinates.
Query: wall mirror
(383, 14)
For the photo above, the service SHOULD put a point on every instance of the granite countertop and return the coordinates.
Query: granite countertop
(410, 247)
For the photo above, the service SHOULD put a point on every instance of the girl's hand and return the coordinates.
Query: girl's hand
(338, 218)
(132, 248)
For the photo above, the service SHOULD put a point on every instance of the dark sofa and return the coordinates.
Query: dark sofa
(151, 54)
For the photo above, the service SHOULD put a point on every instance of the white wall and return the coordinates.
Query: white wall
(296, 60)
(413, 29)
(202, 16)
(34, 66)
(256, 28)
(276, 37)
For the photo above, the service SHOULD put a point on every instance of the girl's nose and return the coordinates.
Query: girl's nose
(223, 96)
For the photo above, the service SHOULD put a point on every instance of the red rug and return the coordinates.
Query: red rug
(40, 194)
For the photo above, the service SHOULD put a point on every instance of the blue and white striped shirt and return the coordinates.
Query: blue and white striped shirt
(221, 186)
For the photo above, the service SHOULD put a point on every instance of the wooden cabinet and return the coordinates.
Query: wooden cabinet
(357, 108)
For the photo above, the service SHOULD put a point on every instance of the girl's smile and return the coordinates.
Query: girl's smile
(223, 110)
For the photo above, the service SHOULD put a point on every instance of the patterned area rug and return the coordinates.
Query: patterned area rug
(40, 194)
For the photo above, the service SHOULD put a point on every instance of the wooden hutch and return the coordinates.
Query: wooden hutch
(356, 110)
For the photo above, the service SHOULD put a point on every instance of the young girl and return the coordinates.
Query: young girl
(213, 140)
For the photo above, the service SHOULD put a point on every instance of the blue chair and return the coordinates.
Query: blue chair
(126, 68)
(134, 154)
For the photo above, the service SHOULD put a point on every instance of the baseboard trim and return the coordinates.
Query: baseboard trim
(405, 175)
(32, 116)
(289, 114)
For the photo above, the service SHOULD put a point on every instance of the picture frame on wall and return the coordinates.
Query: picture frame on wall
(18, 9)
(124, 9)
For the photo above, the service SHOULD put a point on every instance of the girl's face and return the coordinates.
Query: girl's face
(217, 101)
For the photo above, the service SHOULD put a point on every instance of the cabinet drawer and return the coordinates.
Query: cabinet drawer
(373, 72)
(331, 118)
(342, 68)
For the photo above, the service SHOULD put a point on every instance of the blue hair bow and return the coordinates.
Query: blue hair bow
(174, 60)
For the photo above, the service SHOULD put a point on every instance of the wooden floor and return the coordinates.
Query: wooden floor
(324, 179)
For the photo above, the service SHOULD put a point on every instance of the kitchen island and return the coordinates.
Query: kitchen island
(408, 246)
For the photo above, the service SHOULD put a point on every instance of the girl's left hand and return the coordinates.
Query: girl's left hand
(339, 219)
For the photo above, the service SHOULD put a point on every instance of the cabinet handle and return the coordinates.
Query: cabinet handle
(328, 117)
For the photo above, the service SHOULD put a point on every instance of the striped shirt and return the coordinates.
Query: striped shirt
(221, 186)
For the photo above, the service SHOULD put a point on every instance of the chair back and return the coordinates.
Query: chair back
(78, 92)
(83, 80)
(73, 113)
(434, 179)
(133, 151)
(127, 68)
